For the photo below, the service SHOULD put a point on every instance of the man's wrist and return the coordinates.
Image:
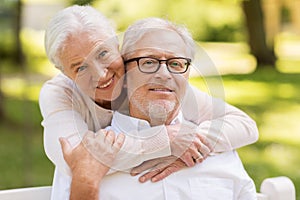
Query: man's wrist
(87, 180)
(84, 189)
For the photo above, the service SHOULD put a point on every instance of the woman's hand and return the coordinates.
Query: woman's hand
(95, 153)
(90, 161)
(188, 147)
(187, 144)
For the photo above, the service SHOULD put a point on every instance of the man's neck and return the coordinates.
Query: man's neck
(156, 119)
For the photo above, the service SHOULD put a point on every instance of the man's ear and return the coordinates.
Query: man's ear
(60, 68)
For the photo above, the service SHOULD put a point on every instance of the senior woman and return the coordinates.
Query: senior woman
(77, 104)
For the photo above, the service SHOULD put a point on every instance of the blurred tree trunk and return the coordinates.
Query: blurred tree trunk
(256, 33)
(19, 57)
(1, 103)
(81, 2)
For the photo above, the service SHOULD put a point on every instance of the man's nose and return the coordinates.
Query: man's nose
(163, 72)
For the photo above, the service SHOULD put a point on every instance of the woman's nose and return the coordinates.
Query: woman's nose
(99, 70)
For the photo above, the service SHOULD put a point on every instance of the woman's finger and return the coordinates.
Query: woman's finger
(205, 141)
(119, 141)
(110, 137)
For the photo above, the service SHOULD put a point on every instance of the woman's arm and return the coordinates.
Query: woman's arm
(65, 114)
(225, 126)
(61, 119)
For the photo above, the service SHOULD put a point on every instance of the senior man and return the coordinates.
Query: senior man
(158, 59)
(158, 55)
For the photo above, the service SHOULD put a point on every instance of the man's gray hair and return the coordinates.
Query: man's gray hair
(136, 31)
(70, 21)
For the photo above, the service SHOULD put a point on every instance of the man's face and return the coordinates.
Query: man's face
(94, 64)
(156, 97)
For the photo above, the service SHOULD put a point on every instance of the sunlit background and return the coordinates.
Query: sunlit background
(253, 44)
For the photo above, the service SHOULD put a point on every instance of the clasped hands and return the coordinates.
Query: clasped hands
(188, 147)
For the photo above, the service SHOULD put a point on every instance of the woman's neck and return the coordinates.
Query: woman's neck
(104, 104)
(115, 104)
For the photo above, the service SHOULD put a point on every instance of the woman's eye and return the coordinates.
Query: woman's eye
(81, 68)
(102, 54)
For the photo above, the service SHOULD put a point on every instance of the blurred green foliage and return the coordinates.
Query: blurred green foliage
(272, 99)
(208, 20)
(24, 162)
(33, 45)
(6, 31)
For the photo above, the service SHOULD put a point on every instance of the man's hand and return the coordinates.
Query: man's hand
(159, 168)
(187, 144)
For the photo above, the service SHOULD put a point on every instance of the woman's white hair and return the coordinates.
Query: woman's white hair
(70, 21)
(136, 31)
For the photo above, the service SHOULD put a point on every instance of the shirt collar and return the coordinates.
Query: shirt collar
(132, 125)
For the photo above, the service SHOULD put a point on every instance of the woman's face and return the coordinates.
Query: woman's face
(95, 65)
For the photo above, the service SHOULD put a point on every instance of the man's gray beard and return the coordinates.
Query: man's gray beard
(157, 110)
(159, 113)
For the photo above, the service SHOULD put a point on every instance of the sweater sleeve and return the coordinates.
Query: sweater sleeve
(225, 126)
(59, 120)
(136, 150)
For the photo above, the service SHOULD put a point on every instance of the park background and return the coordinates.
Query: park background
(253, 44)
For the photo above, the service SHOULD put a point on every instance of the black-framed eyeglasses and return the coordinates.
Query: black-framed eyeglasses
(149, 65)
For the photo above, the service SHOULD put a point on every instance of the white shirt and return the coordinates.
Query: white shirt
(219, 177)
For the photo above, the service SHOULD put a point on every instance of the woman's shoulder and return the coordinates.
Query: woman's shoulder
(59, 80)
(60, 86)
(57, 94)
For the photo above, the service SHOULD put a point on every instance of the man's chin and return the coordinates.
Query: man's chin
(161, 108)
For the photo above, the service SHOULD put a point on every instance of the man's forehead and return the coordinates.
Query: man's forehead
(152, 51)
(160, 40)
(160, 35)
